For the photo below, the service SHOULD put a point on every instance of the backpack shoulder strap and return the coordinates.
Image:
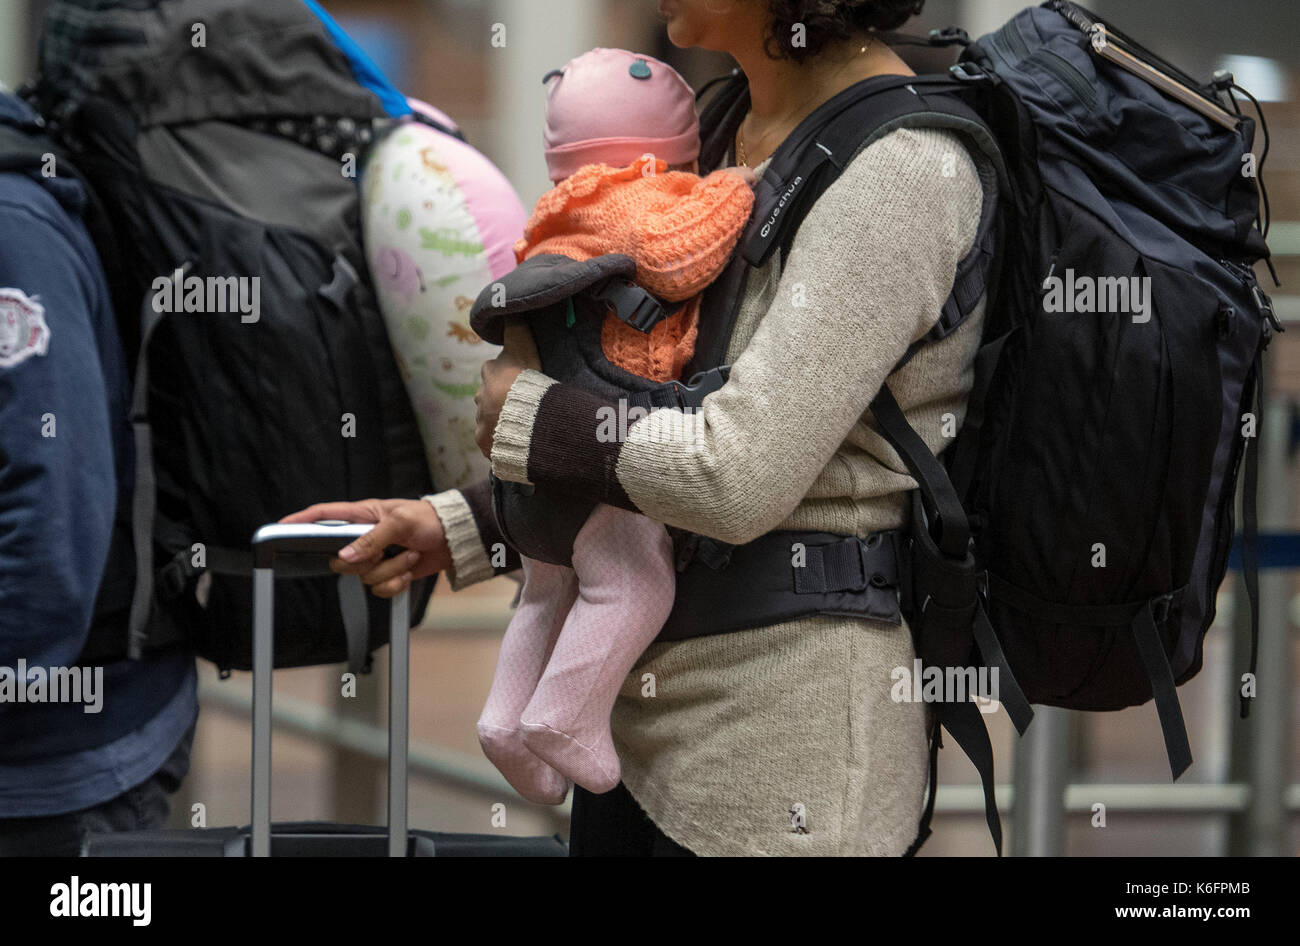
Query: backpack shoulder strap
(25, 149)
(720, 117)
(814, 156)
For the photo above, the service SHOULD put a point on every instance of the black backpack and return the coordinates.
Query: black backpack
(1075, 533)
(1101, 455)
(219, 136)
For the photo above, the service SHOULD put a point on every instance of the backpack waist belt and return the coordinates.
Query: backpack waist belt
(781, 576)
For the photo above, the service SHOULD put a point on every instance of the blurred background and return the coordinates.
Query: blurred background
(1242, 794)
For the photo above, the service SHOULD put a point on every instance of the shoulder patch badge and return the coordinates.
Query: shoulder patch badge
(23, 331)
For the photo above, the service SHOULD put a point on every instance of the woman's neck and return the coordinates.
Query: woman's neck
(782, 89)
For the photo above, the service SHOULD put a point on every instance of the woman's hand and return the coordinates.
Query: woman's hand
(498, 375)
(746, 174)
(411, 523)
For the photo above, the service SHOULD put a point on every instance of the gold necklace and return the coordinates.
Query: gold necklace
(741, 154)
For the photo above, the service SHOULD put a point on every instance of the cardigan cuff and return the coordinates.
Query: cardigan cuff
(503, 557)
(513, 436)
(468, 541)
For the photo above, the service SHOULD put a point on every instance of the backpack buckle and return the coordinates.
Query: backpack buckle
(1161, 606)
(173, 578)
(949, 36)
(632, 304)
(691, 394)
(967, 71)
(1265, 306)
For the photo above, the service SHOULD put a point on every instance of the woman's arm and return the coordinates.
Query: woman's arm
(868, 274)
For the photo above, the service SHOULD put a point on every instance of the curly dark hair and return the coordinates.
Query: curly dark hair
(830, 21)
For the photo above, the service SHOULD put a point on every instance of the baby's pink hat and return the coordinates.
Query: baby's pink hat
(610, 106)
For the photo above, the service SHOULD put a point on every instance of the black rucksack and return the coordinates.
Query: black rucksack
(1101, 462)
(220, 137)
(1074, 534)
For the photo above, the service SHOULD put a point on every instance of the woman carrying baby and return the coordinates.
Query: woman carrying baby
(781, 739)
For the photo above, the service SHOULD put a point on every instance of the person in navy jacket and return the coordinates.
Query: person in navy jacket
(88, 743)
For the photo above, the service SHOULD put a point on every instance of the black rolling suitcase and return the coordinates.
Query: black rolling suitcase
(307, 548)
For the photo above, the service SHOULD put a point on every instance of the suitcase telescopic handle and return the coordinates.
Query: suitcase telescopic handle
(322, 539)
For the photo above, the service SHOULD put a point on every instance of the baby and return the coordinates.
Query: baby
(622, 142)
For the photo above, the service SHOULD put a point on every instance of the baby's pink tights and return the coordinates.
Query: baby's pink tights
(573, 639)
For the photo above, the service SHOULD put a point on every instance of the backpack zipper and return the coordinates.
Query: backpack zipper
(1010, 33)
(1263, 305)
(1010, 39)
(1227, 321)
(1067, 73)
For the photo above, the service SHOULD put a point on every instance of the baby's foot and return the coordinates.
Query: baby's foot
(595, 767)
(530, 776)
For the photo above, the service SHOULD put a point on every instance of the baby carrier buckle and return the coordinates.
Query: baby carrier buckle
(631, 303)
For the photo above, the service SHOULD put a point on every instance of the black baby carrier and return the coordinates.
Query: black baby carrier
(1075, 533)
(564, 303)
(222, 138)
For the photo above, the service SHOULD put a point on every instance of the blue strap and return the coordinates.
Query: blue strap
(363, 67)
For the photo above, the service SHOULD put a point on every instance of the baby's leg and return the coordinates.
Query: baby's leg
(626, 584)
(548, 593)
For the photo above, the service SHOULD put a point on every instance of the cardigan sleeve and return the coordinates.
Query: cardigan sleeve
(867, 274)
(478, 550)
